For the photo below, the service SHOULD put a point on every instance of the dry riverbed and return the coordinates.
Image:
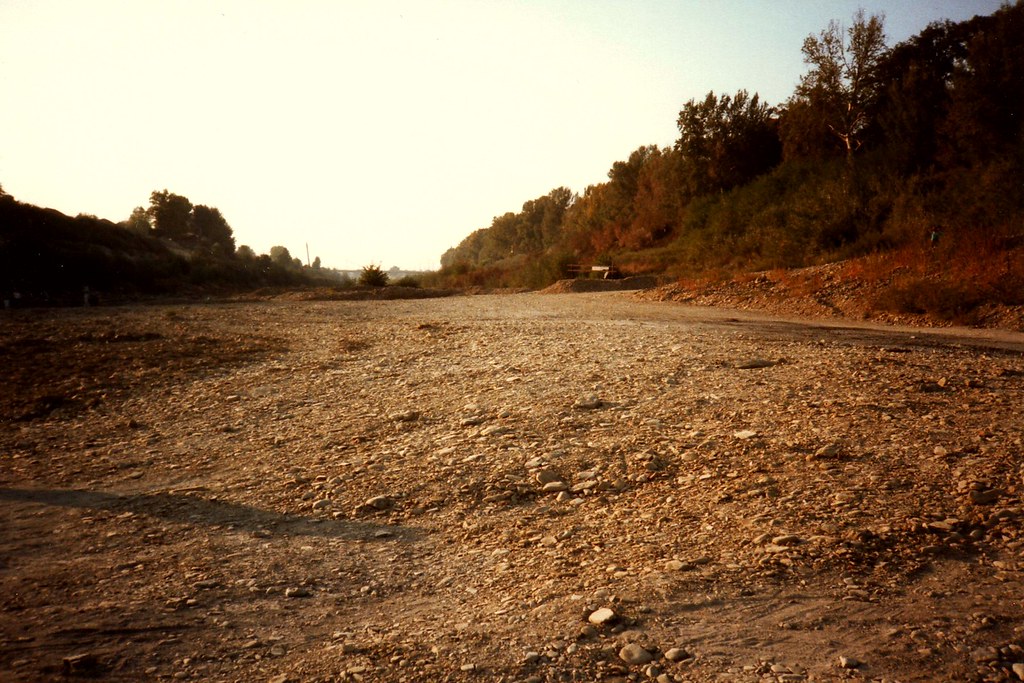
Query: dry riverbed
(568, 487)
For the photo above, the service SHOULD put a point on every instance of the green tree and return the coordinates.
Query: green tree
(281, 256)
(138, 222)
(726, 141)
(373, 276)
(245, 253)
(210, 227)
(171, 214)
(842, 85)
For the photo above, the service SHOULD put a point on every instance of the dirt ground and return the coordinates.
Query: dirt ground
(568, 487)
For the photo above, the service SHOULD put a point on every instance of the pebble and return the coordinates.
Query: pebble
(590, 402)
(297, 592)
(635, 654)
(1018, 669)
(848, 663)
(676, 654)
(602, 616)
(745, 434)
(546, 476)
(380, 502)
(985, 655)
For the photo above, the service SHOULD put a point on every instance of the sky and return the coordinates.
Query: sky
(376, 132)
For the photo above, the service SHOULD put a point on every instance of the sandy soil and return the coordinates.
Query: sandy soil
(567, 487)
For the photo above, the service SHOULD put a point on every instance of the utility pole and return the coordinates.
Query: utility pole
(308, 264)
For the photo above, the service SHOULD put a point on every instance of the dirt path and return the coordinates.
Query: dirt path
(458, 489)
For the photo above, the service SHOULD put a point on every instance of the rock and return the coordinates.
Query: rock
(787, 539)
(676, 565)
(602, 617)
(547, 477)
(635, 654)
(676, 654)
(590, 402)
(280, 678)
(985, 655)
(297, 592)
(986, 497)
(1018, 668)
(745, 434)
(380, 503)
(755, 363)
(848, 663)
(406, 416)
(554, 487)
(322, 504)
(832, 450)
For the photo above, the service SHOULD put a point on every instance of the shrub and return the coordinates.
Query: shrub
(373, 276)
(407, 281)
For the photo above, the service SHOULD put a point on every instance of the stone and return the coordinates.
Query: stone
(635, 654)
(984, 497)
(322, 504)
(848, 663)
(1018, 668)
(590, 402)
(554, 487)
(380, 503)
(602, 616)
(755, 364)
(297, 592)
(676, 654)
(745, 434)
(547, 477)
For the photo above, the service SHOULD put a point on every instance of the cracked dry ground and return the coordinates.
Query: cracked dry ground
(456, 489)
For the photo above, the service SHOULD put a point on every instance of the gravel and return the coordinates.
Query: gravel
(455, 487)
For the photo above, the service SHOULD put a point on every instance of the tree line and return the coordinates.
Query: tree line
(171, 246)
(877, 149)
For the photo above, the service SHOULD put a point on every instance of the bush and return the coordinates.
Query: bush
(407, 281)
(373, 276)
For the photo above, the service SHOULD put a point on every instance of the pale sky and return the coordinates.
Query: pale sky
(376, 132)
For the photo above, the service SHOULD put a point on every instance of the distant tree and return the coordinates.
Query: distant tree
(138, 221)
(373, 276)
(171, 215)
(210, 227)
(842, 85)
(281, 256)
(245, 253)
(726, 141)
(316, 263)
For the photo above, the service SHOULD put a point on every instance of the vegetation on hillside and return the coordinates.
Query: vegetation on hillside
(171, 247)
(916, 151)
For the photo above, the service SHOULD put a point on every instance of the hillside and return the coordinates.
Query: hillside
(49, 258)
(909, 155)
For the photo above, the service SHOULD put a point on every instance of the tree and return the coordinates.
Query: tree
(171, 215)
(842, 85)
(139, 222)
(316, 263)
(210, 227)
(245, 253)
(726, 141)
(373, 276)
(281, 256)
